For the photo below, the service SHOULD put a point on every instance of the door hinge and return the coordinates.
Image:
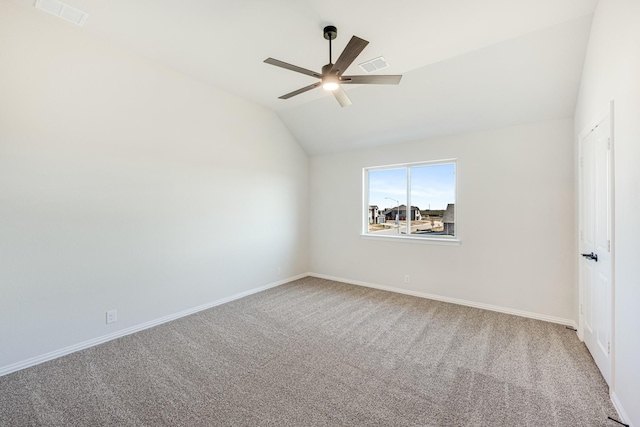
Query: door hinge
(609, 347)
(609, 245)
(581, 235)
(581, 161)
(581, 312)
(608, 143)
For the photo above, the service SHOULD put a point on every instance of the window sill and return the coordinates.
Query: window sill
(410, 239)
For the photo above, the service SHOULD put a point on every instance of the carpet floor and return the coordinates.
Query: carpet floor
(320, 353)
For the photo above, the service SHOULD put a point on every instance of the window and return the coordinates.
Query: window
(414, 200)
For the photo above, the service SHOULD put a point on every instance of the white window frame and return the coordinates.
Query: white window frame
(437, 240)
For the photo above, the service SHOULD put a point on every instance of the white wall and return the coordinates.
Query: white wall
(515, 219)
(612, 72)
(127, 185)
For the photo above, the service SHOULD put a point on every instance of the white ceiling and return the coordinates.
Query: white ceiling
(467, 64)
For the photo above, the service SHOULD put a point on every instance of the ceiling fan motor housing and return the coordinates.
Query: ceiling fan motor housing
(327, 68)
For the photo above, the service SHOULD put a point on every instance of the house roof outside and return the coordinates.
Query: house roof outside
(402, 209)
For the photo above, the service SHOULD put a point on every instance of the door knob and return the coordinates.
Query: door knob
(591, 256)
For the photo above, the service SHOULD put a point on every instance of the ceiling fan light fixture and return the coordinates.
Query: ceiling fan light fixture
(330, 83)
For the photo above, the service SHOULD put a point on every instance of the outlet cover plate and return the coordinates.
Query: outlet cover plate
(112, 316)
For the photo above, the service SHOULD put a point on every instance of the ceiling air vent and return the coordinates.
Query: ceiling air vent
(62, 10)
(374, 65)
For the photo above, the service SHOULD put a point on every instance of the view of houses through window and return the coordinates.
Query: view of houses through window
(428, 189)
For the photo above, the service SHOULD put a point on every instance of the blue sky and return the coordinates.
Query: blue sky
(431, 186)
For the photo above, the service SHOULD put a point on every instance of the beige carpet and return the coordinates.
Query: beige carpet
(321, 353)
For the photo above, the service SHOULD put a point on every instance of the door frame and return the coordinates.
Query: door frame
(609, 115)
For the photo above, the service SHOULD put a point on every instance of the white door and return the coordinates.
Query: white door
(595, 244)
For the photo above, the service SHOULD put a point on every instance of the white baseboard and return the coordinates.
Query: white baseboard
(4, 370)
(616, 403)
(546, 318)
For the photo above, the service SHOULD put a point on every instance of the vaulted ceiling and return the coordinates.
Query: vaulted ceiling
(467, 64)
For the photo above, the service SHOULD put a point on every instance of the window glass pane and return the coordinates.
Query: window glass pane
(433, 200)
(387, 198)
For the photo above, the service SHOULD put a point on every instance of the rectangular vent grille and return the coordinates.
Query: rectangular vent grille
(62, 10)
(374, 65)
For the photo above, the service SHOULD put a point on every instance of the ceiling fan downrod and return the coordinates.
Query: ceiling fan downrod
(330, 33)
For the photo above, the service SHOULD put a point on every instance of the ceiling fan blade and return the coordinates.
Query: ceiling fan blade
(299, 91)
(371, 80)
(349, 54)
(342, 97)
(291, 67)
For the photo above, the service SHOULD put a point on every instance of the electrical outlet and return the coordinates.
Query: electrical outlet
(279, 271)
(112, 316)
(406, 278)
